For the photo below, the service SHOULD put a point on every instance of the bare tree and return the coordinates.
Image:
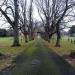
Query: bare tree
(26, 19)
(31, 20)
(53, 11)
(23, 19)
(14, 23)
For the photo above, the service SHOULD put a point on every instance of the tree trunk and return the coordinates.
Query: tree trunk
(58, 37)
(16, 37)
(50, 36)
(47, 32)
(15, 26)
(32, 35)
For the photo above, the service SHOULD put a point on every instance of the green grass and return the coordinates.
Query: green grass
(35, 51)
(66, 46)
(28, 53)
(5, 48)
(6, 42)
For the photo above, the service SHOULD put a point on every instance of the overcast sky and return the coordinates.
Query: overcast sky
(6, 25)
(35, 15)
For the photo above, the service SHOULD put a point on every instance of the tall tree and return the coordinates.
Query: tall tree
(31, 20)
(23, 19)
(54, 12)
(14, 23)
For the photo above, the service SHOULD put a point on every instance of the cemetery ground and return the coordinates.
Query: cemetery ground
(37, 57)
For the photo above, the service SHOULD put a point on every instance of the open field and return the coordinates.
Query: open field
(38, 59)
(5, 48)
(66, 46)
(6, 42)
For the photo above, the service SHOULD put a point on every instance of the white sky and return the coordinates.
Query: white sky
(35, 15)
(6, 26)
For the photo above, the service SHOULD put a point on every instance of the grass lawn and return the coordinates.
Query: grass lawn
(5, 48)
(6, 42)
(38, 59)
(66, 46)
(34, 61)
